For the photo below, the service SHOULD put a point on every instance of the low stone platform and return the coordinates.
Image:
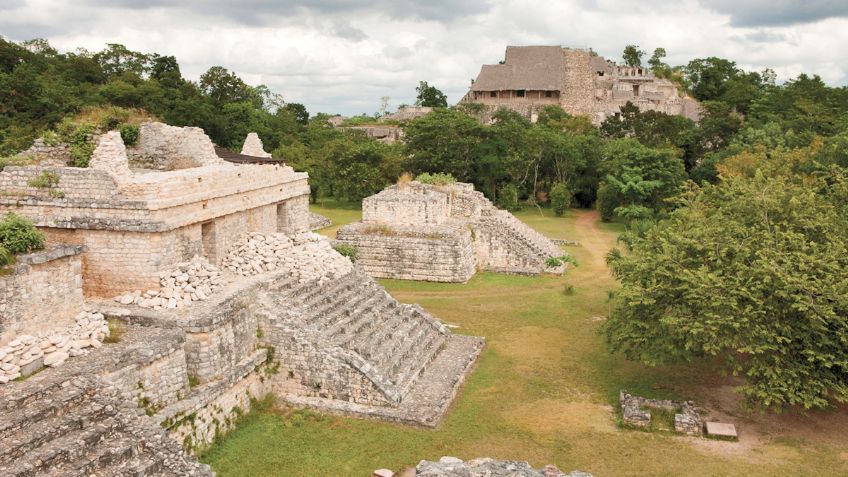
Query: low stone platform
(722, 430)
(427, 402)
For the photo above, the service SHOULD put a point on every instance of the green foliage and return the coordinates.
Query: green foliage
(607, 201)
(6, 257)
(129, 134)
(437, 178)
(750, 270)
(508, 198)
(348, 251)
(430, 96)
(632, 55)
(44, 180)
(116, 331)
(19, 235)
(560, 198)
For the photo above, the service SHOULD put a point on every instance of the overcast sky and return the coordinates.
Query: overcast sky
(343, 55)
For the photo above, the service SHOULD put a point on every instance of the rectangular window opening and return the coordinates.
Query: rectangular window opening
(519, 93)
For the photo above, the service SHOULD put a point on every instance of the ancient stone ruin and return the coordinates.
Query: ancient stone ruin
(485, 467)
(416, 231)
(636, 412)
(216, 292)
(580, 81)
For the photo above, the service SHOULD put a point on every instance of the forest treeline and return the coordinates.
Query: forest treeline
(736, 240)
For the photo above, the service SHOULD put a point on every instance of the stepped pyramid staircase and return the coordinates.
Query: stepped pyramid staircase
(63, 422)
(353, 322)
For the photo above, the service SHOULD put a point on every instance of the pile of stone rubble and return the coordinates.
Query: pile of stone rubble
(26, 354)
(307, 256)
(485, 467)
(191, 281)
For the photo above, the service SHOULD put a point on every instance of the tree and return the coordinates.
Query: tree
(633, 55)
(656, 62)
(443, 141)
(750, 271)
(430, 96)
(299, 111)
(560, 198)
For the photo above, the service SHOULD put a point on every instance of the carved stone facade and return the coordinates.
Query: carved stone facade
(583, 83)
(444, 234)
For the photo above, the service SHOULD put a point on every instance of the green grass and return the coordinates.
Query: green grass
(545, 389)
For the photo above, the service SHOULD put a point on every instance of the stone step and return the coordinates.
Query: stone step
(356, 330)
(406, 340)
(115, 452)
(340, 311)
(390, 337)
(61, 451)
(13, 402)
(348, 317)
(320, 311)
(408, 370)
(140, 466)
(59, 401)
(40, 432)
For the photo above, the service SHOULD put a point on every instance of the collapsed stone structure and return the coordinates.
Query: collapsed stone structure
(583, 83)
(486, 467)
(445, 233)
(635, 411)
(302, 322)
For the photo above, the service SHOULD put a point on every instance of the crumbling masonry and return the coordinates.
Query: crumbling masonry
(224, 295)
(580, 81)
(445, 233)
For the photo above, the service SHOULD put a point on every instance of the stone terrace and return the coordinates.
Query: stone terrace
(444, 233)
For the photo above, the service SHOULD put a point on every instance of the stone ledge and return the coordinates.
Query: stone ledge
(430, 397)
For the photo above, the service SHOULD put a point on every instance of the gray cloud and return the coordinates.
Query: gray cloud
(778, 12)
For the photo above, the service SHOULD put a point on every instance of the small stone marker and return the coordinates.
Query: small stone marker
(721, 429)
(383, 473)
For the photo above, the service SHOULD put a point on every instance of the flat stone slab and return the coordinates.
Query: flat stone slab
(721, 429)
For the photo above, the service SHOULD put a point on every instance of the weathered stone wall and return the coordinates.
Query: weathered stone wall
(43, 291)
(444, 233)
(167, 148)
(407, 205)
(438, 253)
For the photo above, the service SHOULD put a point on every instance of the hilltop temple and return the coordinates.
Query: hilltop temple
(583, 83)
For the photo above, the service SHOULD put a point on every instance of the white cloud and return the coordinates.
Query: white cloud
(343, 55)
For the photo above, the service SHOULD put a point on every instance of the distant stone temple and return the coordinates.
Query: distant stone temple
(583, 83)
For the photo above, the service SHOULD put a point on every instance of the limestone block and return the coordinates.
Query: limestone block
(111, 156)
(253, 146)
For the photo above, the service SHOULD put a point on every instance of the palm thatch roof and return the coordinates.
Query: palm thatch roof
(525, 67)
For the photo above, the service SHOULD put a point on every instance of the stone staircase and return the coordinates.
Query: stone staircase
(63, 426)
(523, 242)
(355, 320)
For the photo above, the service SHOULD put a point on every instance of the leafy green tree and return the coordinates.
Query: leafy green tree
(658, 66)
(508, 197)
(430, 96)
(560, 198)
(444, 141)
(750, 271)
(633, 55)
(641, 179)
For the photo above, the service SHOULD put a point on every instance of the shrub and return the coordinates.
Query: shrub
(607, 202)
(18, 235)
(437, 178)
(116, 331)
(553, 262)
(44, 180)
(560, 198)
(78, 135)
(129, 134)
(348, 251)
(81, 154)
(6, 257)
(508, 197)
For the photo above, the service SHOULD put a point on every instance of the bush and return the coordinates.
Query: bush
(438, 178)
(560, 198)
(348, 251)
(78, 138)
(18, 235)
(129, 134)
(6, 257)
(607, 202)
(44, 180)
(508, 197)
(553, 262)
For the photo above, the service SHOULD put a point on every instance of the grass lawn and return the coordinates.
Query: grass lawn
(545, 391)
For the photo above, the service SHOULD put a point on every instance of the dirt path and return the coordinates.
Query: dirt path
(593, 241)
